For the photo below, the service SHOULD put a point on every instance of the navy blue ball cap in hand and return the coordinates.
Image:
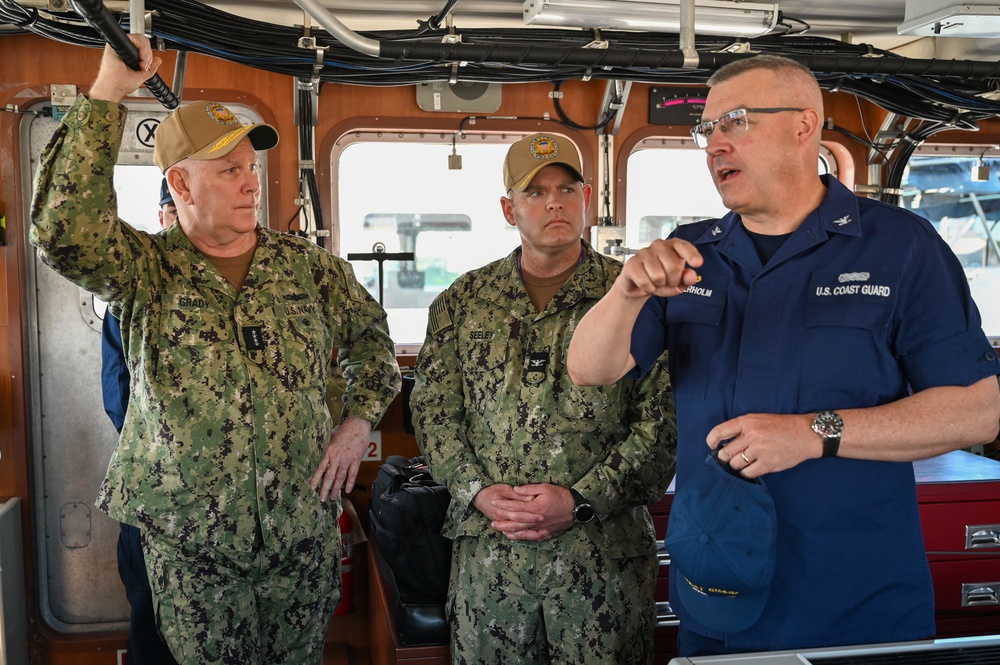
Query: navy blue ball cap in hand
(721, 540)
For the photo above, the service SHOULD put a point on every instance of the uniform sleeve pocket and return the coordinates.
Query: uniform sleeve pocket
(602, 403)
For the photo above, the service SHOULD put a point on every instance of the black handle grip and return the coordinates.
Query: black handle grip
(99, 18)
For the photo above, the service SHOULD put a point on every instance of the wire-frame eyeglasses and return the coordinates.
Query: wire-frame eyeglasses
(731, 124)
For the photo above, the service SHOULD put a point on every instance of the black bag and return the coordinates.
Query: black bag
(407, 512)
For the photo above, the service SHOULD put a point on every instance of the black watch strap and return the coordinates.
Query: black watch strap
(830, 426)
(831, 444)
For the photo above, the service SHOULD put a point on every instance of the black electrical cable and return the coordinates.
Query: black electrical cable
(601, 124)
(864, 141)
(934, 90)
(802, 28)
(907, 146)
(309, 188)
(435, 21)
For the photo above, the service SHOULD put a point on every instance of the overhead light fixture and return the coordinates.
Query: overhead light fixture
(946, 18)
(711, 17)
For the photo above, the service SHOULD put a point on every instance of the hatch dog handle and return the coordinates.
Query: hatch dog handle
(100, 18)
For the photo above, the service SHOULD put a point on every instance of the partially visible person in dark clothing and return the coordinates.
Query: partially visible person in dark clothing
(145, 646)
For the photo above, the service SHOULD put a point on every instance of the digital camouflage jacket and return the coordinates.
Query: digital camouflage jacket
(493, 403)
(228, 416)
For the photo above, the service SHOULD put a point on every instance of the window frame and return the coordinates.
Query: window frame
(445, 135)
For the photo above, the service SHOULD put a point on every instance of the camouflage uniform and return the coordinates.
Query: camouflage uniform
(228, 418)
(493, 403)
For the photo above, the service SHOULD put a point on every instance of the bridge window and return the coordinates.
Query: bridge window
(395, 192)
(669, 184)
(138, 190)
(958, 191)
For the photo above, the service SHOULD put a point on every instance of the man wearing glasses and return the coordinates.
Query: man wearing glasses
(826, 340)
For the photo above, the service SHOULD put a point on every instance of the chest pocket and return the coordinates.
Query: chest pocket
(292, 352)
(304, 357)
(852, 328)
(694, 333)
(484, 366)
(192, 340)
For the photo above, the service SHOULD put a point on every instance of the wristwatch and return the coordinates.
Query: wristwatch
(830, 426)
(583, 512)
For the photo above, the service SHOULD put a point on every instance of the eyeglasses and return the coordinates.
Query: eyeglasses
(731, 124)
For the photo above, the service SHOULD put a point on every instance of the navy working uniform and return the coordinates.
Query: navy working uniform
(834, 320)
(228, 416)
(493, 403)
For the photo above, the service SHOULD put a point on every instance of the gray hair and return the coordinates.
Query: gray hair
(772, 63)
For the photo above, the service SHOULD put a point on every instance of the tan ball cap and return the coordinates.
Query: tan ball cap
(205, 130)
(532, 154)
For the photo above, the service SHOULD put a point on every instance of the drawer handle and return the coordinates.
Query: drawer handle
(665, 616)
(662, 555)
(983, 535)
(974, 595)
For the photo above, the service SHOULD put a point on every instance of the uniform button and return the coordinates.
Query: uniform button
(81, 114)
(989, 355)
(109, 116)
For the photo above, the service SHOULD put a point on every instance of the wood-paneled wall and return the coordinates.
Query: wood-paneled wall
(30, 64)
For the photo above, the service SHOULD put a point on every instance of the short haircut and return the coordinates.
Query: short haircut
(803, 89)
(772, 63)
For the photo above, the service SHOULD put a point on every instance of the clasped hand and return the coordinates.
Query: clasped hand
(527, 512)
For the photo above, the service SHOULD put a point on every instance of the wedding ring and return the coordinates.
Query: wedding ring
(744, 456)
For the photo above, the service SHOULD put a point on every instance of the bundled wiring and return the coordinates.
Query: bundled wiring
(907, 146)
(945, 92)
(309, 187)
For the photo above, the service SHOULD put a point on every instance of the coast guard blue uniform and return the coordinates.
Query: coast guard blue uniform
(863, 303)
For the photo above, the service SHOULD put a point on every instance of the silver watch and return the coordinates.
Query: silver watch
(830, 426)
(583, 512)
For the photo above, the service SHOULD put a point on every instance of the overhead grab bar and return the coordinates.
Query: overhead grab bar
(338, 30)
(100, 18)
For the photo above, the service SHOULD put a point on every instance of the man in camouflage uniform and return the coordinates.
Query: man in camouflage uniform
(228, 452)
(555, 556)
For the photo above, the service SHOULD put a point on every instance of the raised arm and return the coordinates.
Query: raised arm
(599, 351)
(115, 79)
